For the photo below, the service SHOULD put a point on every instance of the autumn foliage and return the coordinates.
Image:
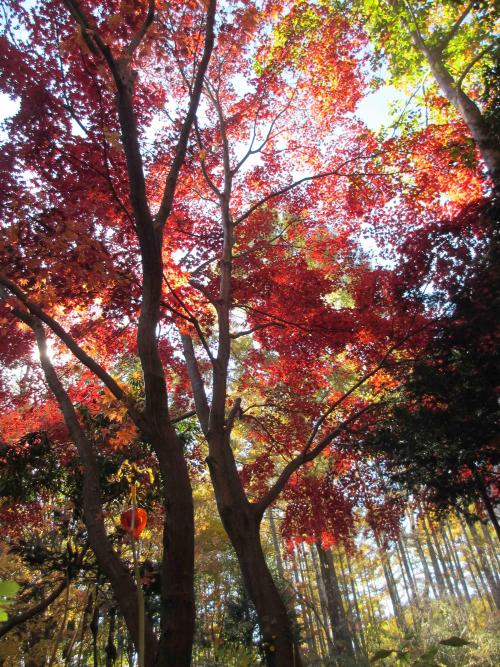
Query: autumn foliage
(198, 226)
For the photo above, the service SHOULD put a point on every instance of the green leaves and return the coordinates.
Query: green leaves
(426, 659)
(455, 641)
(8, 591)
(381, 654)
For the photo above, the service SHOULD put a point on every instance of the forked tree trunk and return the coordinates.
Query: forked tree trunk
(279, 645)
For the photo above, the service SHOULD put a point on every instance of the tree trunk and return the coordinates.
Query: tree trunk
(485, 566)
(323, 601)
(177, 569)
(306, 619)
(480, 130)
(448, 538)
(442, 560)
(492, 548)
(407, 568)
(435, 564)
(242, 527)
(304, 574)
(425, 566)
(475, 566)
(110, 644)
(359, 620)
(342, 637)
(488, 505)
(276, 545)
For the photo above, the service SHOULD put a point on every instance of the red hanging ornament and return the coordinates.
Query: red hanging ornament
(141, 519)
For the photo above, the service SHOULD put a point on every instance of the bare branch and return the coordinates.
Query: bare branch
(253, 151)
(300, 181)
(204, 171)
(16, 620)
(181, 418)
(191, 318)
(304, 457)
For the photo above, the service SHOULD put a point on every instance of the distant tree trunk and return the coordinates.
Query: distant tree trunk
(474, 566)
(372, 615)
(407, 567)
(448, 539)
(425, 566)
(442, 560)
(359, 620)
(110, 645)
(276, 545)
(391, 584)
(404, 575)
(455, 573)
(435, 564)
(323, 600)
(321, 619)
(345, 596)
(492, 550)
(488, 505)
(485, 566)
(341, 635)
(306, 612)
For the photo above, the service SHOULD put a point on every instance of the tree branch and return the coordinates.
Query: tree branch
(14, 621)
(186, 415)
(446, 39)
(304, 457)
(247, 332)
(109, 561)
(300, 181)
(197, 384)
(471, 64)
(78, 352)
(141, 33)
(180, 152)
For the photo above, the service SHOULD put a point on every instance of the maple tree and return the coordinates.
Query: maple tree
(183, 198)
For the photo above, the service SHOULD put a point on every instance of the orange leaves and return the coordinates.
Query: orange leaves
(124, 436)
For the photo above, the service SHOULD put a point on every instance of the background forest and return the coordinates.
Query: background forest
(249, 371)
